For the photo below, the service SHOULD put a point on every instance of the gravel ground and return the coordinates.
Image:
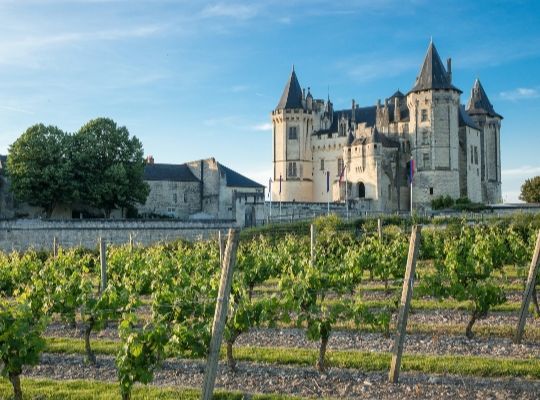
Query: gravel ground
(417, 343)
(361, 341)
(301, 381)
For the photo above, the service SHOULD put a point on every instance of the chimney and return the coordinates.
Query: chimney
(303, 93)
(353, 114)
(397, 111)
(150, 160)
(449, 69)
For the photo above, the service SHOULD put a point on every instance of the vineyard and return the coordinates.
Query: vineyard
(310, 314)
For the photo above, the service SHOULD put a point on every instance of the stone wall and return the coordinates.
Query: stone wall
(25, 233)
(292, 211)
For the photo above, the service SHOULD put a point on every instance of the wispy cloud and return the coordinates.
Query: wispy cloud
(373, 67)
(520, 94)
(523, 171)
(265, 127)
(231, 10)
(16, 109)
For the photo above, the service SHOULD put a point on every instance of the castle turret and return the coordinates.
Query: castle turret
(482, 113)
(433, 104)
(292, 122)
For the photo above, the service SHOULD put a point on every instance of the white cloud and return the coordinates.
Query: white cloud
(524, 171)
(377, 66)
(16, 109)
(267, 126)
(234, 10)
(520, 94)
(513, 178)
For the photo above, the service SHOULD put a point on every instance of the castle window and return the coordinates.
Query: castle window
(423, 116)
(472, 155)
(425, 159)
(175, 198)
(431, 190)
(291, 170)
(185, 198)
(405, 128)
(322, 164)
(476, 155)
(293, 134)
(425, 137)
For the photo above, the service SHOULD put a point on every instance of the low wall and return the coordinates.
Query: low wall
(25, 233)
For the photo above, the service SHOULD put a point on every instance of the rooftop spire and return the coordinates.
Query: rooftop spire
(292, 94)
(479, 102)
(432, 75)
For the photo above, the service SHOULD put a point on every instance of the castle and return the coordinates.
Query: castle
(365, 154)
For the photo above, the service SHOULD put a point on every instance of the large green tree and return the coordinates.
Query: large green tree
(530, 190)
(40, 169)
(108, 166)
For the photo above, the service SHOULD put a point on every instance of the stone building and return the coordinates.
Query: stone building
(202, 189)
(198, 190)
(364, 153)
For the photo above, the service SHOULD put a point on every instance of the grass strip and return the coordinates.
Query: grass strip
(96, 390)
(366, 361)
(370, 361)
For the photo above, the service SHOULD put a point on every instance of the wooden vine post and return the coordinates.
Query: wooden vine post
(103, 264)
(221, 249)
(55, 247)
(406, 296)
(379, 228)
(220, 315)
(312, 243)
(529, 289)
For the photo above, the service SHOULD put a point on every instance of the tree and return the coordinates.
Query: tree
(39, 168)
(108, 166)
(530, 190)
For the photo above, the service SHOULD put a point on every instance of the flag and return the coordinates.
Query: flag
(280, 184)
(341, 175)
(327, 181)
(410, 170)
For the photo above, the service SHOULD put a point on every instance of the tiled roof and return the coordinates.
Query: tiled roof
(479, 102)
(433, 75)
(168, 172)
(292, 94)
(465, 119)
(234, 179)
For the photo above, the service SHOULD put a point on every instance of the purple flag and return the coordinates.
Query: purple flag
(327, 181)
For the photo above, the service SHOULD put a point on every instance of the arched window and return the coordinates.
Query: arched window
(361, 190)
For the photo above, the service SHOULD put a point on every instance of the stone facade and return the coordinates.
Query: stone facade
(198, 190)
(361, 153)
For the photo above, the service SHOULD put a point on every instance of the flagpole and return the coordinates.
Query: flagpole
(270, 194)
(280, 198)
(412, 175)
(346, 194)
(328, 192)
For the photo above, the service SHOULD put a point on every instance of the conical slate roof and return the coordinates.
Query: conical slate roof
(433, 75)
(479, 102)
(292, 94)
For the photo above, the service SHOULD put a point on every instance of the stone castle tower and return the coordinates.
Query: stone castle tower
(489, 123)
(434, 136)
(292, 123)
(366, 152)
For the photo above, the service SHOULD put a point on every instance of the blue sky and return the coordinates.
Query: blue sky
(195, 79)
